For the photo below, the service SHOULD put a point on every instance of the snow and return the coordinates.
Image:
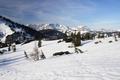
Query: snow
(98, 62)
(58, 27)
(61, 28)
(5, 30)
(118, 30)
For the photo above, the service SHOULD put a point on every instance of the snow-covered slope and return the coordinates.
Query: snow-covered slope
(98, 62)
(18, 32)
(5, 30)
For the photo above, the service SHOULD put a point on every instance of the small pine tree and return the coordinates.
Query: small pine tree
(115, 38)
(14, 47)
(119, 35)
(98, 35)
(78, 39)
(25, 54)
(39, 43)
(73, 38)
(9, 49)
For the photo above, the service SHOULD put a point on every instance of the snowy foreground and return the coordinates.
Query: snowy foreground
(98, 62)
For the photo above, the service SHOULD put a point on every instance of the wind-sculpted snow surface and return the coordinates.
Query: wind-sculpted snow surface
(99, 62)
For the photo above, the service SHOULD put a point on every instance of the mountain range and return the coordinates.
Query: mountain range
(10, 31)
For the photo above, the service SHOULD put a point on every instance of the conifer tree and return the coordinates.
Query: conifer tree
(9, 49)
(25, 54)
(119, 34)
(39, 43)
(76, 39)
(65, 37)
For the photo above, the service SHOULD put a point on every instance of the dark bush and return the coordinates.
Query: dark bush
(68, 39)
(110, 41)
(61, 53)
(96, 42)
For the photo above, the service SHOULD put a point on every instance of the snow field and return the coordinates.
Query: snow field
(99, 62)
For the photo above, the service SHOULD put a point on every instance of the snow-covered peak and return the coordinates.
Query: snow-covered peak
(61, 28)
(82, 29)
(58, 27)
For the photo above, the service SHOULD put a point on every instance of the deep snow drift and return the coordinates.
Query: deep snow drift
(98, 62)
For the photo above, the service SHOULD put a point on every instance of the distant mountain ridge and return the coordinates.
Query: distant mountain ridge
(10, 30)
(58, 27)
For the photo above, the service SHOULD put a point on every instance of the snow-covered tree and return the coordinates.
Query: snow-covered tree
(9, 47)
(14, 47)
(35, 53)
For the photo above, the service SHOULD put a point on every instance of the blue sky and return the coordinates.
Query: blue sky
(92, 13)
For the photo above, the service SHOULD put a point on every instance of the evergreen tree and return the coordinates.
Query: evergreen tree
(73, 38)
(115, 37)
(25, 54)
(65, 37)
(119, 34)
(39, 43)
(14, 47)
(99, 35)
(76, 39)
(9, 49)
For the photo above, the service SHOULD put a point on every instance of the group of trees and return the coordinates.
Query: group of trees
(100, 35)
(87, 36)
(12, 47)
(77, 37)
